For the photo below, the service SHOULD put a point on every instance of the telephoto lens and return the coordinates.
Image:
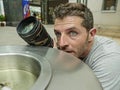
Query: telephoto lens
(33, 32)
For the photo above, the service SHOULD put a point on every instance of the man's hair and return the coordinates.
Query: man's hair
(75, 9)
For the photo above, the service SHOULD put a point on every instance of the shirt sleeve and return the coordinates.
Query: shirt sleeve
(107, 70)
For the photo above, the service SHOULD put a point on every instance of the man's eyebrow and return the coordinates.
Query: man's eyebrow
(72, 28)
(55, 30)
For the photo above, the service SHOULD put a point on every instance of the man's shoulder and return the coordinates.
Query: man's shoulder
(104, 50)
(105, 43)
(103, 38)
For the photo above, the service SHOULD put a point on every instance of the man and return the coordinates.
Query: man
(75, 32)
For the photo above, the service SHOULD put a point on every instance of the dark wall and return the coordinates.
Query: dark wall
(13, 11)
(52, 5)
(47, 7)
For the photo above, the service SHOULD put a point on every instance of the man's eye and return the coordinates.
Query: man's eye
(72, 33)
(57, 34)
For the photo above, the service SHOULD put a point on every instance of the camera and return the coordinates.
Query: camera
(33, 32)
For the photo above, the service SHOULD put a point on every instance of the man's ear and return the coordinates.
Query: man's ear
(92, 34)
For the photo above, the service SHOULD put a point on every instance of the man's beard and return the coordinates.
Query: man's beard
(84, 48)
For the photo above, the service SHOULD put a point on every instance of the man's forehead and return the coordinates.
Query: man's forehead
(63, 23)
(68, 20)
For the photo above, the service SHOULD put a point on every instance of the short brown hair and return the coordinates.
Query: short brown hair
(75, 9)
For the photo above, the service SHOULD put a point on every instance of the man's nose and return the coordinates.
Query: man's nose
(63, 42)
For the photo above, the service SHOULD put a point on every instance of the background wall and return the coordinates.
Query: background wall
(105, 20)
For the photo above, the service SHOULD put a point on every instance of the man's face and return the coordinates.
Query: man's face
(72, 37)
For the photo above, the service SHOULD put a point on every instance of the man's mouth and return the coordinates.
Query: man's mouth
(70, 52)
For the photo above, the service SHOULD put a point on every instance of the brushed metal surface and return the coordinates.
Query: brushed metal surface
(23, 70)
(68, 72)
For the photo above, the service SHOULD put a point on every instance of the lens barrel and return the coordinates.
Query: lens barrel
(33, 32)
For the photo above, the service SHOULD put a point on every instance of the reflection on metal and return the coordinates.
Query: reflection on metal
(22, 70)
(30, 68)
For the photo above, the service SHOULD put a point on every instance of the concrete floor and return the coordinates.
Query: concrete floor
(9, 36)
